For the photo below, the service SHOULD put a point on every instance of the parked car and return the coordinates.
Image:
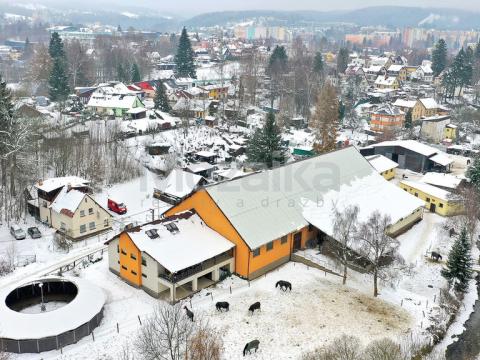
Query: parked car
(17, 232)
(117, 207)
(34, 232)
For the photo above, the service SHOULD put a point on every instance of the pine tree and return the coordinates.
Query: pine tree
(135, 73)
(265, 146)
(27, 50)
(473, 173)
(342, 60)
(161, 100)
(184, 57)
(408, 119)
(325, 120)
(318, 64)
(459, 263)
(122, 74)
(278, 62)
(439, 57)
(58, 79)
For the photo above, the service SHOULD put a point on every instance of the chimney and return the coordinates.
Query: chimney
(69, 187)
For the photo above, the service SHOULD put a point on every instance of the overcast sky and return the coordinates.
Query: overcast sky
(192, 7)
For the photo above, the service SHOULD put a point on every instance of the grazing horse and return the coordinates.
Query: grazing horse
(436, 256)
(253, 307)
(189, 313)
(222, 305)
(284, 285)
(250, 346)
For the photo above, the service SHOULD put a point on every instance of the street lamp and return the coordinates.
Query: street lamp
(42, 306)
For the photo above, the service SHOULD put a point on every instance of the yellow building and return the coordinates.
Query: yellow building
(383, 165)
(387, 82)
(450, 132)
(436, 200)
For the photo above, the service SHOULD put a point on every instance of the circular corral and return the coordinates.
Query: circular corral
(78, 310)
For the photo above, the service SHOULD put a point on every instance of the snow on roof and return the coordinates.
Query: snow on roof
(67, 202)
(201, 166)
(429, 103)
(179, 183)
(441, 159)
(58, 182)
(428, 189)
(369, 194)
(395, 68)
(88, 303)
(231, 174)
(112, 101)
(440, 179)
(381, 163)
(270, 204)
(382, 80)
(388, 109)
(412, 145)
(405, 103)
(205, 154)
(194, 243)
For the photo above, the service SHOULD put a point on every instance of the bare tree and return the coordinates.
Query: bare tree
(383, 349)
(344, 230)
(205, 344)
(468, 198)
(378, 246)
(342, 348)
(165, 335)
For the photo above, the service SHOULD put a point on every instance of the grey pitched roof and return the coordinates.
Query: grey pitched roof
(268, 205)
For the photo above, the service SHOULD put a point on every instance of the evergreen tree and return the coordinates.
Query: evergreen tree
(184, 57)
(341, 110)
(342, 60)
(473, 173)
(439, 57)
(58, 79)
(459, 263)
(135, 73)
(278, 62)
(161, 100)
(27, 50)
(408, 119)
(122, 74)
(325, 120)
(265, 146)
(318, 64)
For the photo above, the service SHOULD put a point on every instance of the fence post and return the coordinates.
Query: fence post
(140, 321)
(93, 336)
(118, 328)
(230, 289)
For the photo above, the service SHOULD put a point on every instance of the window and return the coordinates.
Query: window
(152, 233)
(405, 189)
(416, 194)
(118, 248)
(82, 213)
(143, 275)
(144, 262)
(124, 267)
(428, 199)
(270, 246)
(105, 223)
(133, 257)
(441, 205)
(63, 226)
(83, 228)
(90, 211)
(124, 252)
(92, 225)
(44, 203)
(284, 239)
(133, 272)
(256, 252)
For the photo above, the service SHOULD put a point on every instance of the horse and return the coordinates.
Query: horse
(284, 285)
(250, 346)
(436, 256)
(253, 307)
(189, 313)
(222, 305)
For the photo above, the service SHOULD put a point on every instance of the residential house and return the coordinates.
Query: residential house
(216, 91)
(383, 165)
(387, 117)
(427, 107)
(387, 82)
(269, 215)
(405, 105)
(193, 108)
(448, 182)
(397, 71)
(436, 199)
(433, 128)
(171, 258)
(117, 100)
(177, 186)
(450, 132)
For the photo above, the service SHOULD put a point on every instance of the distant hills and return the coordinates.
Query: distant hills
(393, 16)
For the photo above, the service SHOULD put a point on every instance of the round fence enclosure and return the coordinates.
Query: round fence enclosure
(48, 314)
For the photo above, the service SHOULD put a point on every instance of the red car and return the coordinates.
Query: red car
(118, 208)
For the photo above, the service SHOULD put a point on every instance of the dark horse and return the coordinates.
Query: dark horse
(222, 305)
(436, 256)
(284, 285)
(254, 307)
(250, 346)
(189, 313)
